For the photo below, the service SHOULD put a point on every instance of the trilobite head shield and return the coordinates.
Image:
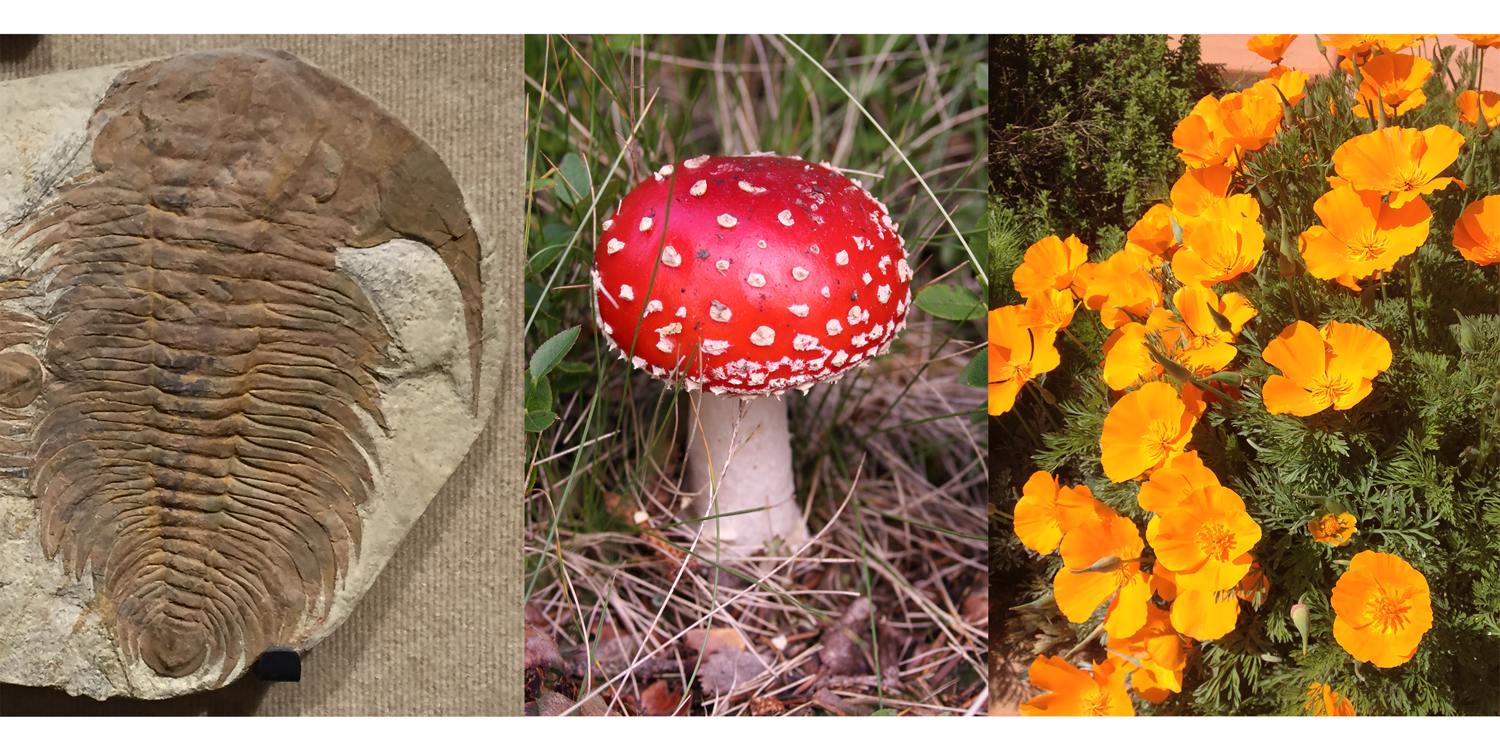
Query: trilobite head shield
(204, 383)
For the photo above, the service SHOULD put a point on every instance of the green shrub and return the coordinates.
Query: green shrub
(1081, 129)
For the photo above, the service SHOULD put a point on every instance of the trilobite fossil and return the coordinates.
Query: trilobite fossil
(189, 384)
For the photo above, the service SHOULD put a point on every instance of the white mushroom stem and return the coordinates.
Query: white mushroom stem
(751, 454)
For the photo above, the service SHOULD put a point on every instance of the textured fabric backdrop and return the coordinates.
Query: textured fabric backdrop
(440, 631)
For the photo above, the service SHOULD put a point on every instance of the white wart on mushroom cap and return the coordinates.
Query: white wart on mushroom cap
(770, 273)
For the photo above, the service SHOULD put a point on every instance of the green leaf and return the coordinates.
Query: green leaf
(574, 368)
(536, 421)
(886, 712)
(544, 258)
(950, 302)
(976, 373)
(573, 179)
(538, 394)
(552, 351)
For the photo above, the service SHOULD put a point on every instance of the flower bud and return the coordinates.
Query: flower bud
(1038, 604)
(1227, 377)
(1219, 319)
(1095, 633)
(1286, 266)
(1300, 614)
(1173, 369)
(1465, 334)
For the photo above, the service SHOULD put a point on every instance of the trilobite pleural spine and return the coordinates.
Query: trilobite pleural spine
(204, 427)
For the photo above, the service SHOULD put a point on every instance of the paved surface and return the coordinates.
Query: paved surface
(1229, 49)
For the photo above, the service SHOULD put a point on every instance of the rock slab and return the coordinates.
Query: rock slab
(241, 339)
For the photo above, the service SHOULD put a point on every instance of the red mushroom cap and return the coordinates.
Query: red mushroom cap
(769, 273)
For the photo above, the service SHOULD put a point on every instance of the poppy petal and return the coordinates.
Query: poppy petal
(1205, 615)
(1299, 352)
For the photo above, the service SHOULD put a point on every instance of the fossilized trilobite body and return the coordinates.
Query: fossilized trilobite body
(199, 410)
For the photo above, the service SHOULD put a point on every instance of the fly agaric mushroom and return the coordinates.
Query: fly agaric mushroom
(764, 274)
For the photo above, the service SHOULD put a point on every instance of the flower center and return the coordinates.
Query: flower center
(1370, 248)
(1216, 540)
(1414, 181)
(1096, 704)
(1330, 525)
(1330, 390)
(1388, 612)
(1021, 372)
(1160, 439)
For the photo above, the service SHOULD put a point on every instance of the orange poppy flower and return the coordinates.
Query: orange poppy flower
(1350, 45)
(1252, 116)
(1122, 286)
(1291, 83)
(1051, 309)
(1476, 234)
(1333, 530)
(1161, 652)
(1203, 137)
(1404, 162)
(1018, 353)
(1219, 251)
(1205, 615)
(1321, 368)
(1151, 238)
(1047, 511)
(1174, 481)
(1322, 701)
(1205, 539)
(1270, 46)
(1483, 40)
(1362, 236)
(1049, 264)
(1471, 102)
(1393, 80)
(1074, 692)
(1144, 430)
(1381, 608)
(1079, 594)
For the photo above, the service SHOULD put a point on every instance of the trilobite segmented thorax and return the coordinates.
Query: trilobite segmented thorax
(202, 439)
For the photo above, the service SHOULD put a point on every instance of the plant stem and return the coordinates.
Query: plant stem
(1085, 349)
